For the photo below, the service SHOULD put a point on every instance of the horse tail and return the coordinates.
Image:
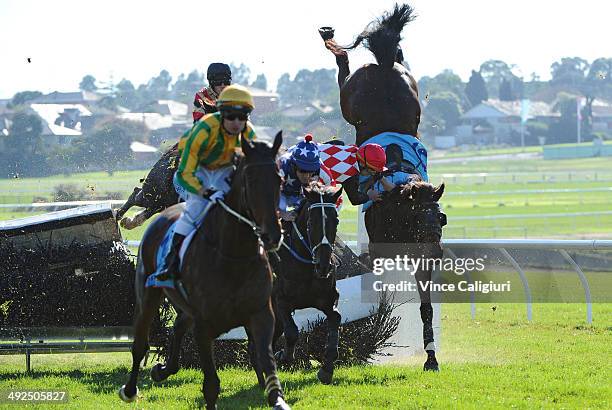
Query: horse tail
(382, 35)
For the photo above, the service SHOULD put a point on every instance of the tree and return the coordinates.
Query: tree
(476, 89)
(308, 86)
(284, 88)
(126, 95)
(494, 72)
(446, 81)
(107, 147)
(23, 153)
(442, 113)
(569, 72)
(159, 87)
(564, 129)
(260, 82)
(240, 74)
(24, 96)
(88, 83)
(505, 91)
(185, 87)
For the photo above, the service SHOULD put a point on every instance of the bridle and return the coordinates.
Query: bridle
(244, 196)
(307, 240)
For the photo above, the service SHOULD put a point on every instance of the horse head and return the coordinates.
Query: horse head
(321, 216)
(420, 206)
(258, 181)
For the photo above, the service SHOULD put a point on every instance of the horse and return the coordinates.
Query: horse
(379, 97)
(410, 214)
(305, 274)
(157, 192)
(384, 97)
(225, 273)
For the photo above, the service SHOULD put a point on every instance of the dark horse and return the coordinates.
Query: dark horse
(384, 97)
(306, 275)
(410, 215)
(157, 192)
(225, 273)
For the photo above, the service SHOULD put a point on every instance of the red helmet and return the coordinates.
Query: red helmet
(373, 157)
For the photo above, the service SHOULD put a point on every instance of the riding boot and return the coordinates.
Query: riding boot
(172, 262)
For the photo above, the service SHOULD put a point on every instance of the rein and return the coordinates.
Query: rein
(324, 242)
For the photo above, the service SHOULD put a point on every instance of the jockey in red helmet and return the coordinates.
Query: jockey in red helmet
(371, 159)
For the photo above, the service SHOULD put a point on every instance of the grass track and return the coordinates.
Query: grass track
(498, 360)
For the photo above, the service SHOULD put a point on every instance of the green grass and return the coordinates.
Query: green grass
(498, 360)
(457, 153)
(465, 197)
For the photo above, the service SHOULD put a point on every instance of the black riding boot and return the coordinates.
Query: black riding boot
(172, 262)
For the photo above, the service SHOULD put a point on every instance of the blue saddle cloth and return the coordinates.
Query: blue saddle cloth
(160, 259)
(413, 151)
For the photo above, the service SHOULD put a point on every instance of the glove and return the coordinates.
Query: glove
(217, 196)
(374, 195)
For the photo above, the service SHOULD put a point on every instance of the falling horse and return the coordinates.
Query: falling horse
(157, 192)
(306, 275)
(382, 102)
(225, 273)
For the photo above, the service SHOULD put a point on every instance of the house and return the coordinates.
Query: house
(265, 101)
(77, 97)
(166, 119)
(602, 117)
(305, 110)
(61, 122)
(495, 121)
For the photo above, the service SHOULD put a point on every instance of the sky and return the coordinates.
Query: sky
(134, 39)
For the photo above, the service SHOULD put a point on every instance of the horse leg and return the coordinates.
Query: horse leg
(326, 372)
(261, 326)
(138, 219)
(253, 358)
(211, 385)
(145, 314)
(291, 332)
(128, 204)
(161, 372)
(427, 319)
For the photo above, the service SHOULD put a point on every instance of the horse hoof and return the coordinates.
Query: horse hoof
(126, 223)
(124, 397)
(280, 404)
(324, 376)
(156, 373)
(431, 365)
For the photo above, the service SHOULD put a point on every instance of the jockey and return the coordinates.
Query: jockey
(298, 167)
(206, 153)
(219, 76)
(371, 159)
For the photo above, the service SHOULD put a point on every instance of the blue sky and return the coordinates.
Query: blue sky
(135, 39)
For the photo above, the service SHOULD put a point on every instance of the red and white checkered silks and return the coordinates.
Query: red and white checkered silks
(338, 163)
(341, 160)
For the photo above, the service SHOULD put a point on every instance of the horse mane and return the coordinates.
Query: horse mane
(382, 35)
(319, 188)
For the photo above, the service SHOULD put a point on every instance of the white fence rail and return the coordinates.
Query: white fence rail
(562, 246)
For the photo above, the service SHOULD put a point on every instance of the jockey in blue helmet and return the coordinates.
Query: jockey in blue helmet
(298, 166)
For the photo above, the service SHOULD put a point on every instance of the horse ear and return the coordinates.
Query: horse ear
(438, 192)
(278, 140)
(246, 145)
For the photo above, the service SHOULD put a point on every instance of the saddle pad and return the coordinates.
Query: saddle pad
(413, 149)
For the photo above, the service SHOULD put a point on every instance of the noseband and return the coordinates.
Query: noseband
(324, 241)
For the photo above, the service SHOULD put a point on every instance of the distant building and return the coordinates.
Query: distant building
(77, 97)
(265, 101)
(166, 119)
(305, 110)
(495, 121)
(61, 122)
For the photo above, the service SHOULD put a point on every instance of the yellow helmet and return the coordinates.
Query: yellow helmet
(235, 97)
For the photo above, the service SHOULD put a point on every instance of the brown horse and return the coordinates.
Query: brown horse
(157, 192)
(225, 273)
(384, 97)
(379, 97)
(306, 275)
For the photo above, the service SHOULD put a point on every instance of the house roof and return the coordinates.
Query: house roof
(151, 120)
(498, 109)
(258, 92)
(51, 114)
(175, 108)
(78, 97)
(136, 146)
